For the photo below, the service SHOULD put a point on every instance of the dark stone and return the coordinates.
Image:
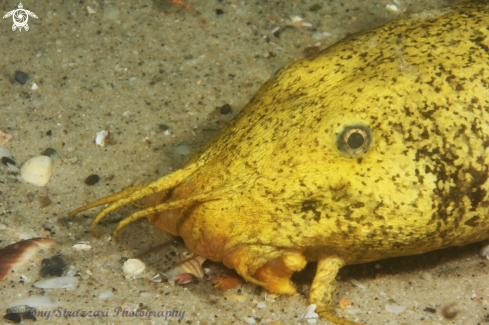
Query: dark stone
(163, 127)
(225, 109)
(48, 152)
(49, 133)
(52, 267)
(7, 160)
(21, 77)
(429, 309)
(13, 317)
(92, 179)
(219, 11)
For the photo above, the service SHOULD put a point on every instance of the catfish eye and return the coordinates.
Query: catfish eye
(355, 140)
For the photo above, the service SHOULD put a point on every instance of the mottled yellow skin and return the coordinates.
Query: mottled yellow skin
(273, 189)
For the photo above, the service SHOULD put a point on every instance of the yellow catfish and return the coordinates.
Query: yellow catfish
(376, 147)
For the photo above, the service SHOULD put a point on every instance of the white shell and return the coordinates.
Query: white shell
(133, 267)
(57, 283)
(102, 138)
(5, 137)
(309, 312)
(105, 295)
(191, 265)
(37, 170)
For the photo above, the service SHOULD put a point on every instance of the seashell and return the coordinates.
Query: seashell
(191, 265)
(37, 170)
(133, 267)
(37, 302)
(309, 312)
(15, 255)
(183, 278)
(105, 295)
(484, 252)
(82, 247)
(61, 282)
(226, 282)
(5, 137)
(102, 138)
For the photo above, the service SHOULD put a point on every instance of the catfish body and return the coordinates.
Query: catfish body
(376, 147)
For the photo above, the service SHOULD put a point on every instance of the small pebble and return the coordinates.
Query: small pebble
(225, 109)
(92, 179)
(21, 77)
(133, 267)
(7, 161)
(63, 282)
(5, 137)
(219, 12)
(13, 317)
(163, 127)
(105, 295)
(53, 267)
(49, 133)
(48, 152)
(37, 170)
(34, 86)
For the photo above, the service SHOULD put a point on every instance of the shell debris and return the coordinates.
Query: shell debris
(310, 312)
(37, 302)
(183, 278)
(62, 282)
(37, 170)
(15, 255)
(102, 138)
(133, 267)
(191, 265)
(5, 137)
(82, 246)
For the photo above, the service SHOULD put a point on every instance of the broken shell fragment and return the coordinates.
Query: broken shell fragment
(37, 170)
(61, 282)
(102, 138)
(183, 278)
(133, 267)
(5, 137)
(15, 255)
(37, 302)
(191, 265)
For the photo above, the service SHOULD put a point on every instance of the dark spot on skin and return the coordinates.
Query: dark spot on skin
(311, 205)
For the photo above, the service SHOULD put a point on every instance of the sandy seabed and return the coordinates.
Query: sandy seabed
(155, 75)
